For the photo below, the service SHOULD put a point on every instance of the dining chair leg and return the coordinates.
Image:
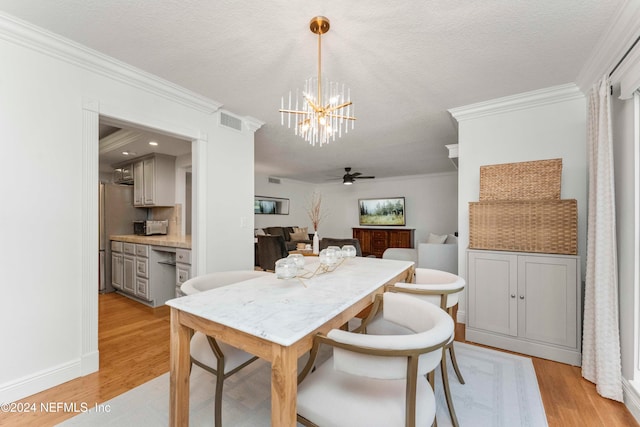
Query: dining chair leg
(453, 311)
(217, 411)
(431, 377)
(447, 391)
(454, 362)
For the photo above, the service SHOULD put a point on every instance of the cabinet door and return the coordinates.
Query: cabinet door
(493, 286)
(547, 299)
(129, 274)
(138, 184)
(116, 271)
(149, 181)
(400, 239)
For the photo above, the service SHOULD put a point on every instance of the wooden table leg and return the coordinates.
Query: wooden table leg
(284, 386)
(179, 377)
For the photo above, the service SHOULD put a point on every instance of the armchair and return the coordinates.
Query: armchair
(218, 358)
(378, 380)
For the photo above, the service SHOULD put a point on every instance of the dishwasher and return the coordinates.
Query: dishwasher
(162, 268)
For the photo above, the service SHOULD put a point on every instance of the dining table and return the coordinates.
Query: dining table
(276, 320)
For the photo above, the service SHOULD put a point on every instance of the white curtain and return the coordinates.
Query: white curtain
(601, 339)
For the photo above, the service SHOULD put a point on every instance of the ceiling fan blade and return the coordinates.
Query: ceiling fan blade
(356, 174)
(366, 177)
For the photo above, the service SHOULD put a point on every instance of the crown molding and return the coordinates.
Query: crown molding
(612, 46)
(252, 123)
(118, 139)
(40, 40)
(521, 101)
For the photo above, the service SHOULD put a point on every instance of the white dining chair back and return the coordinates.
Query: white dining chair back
(218, 358)
(378, 380)
(439, 288)
(401, 254)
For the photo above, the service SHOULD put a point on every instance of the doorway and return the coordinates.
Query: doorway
(94, 114)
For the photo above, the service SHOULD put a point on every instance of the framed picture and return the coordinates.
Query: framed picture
(387, 211)
(270, 205)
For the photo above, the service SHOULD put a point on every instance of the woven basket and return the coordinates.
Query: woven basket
(546, 226)
(536, 180)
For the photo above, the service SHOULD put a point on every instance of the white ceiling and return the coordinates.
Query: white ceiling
(405, 62)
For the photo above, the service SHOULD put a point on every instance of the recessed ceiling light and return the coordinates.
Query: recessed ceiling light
(153, 143)
(128, 153)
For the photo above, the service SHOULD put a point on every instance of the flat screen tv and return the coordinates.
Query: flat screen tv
(385, 211)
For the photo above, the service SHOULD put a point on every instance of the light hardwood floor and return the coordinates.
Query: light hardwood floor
(134, 348)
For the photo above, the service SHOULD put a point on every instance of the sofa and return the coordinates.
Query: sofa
(291, 237)
(439, 252)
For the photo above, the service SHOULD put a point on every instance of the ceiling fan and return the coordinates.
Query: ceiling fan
(349, 178)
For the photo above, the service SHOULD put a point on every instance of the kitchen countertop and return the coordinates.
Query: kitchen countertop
(157, 240)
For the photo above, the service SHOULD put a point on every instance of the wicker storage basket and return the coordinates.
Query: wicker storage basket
(536, 180)
(547, 226)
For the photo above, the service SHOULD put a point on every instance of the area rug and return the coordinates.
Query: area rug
(501, 390)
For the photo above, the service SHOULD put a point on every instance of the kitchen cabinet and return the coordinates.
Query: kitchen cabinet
(525, 302)
(183, 268)
(117, 271)
(128, 267)
(142, 273)
(154, 181)
(374, 241)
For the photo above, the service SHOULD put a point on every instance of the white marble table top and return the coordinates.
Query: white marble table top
(284, 311)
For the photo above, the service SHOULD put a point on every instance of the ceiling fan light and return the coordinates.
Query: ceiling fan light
(345, 182)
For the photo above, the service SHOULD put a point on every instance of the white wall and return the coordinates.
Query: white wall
(545, 124)
(52, 93)
(299, 195)
(431, 203)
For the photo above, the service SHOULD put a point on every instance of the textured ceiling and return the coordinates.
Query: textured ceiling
(405, 62)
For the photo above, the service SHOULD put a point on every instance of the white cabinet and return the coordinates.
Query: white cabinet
(116, 270)
(183, 268)
(154, 181)
(129, 267)
(524, 302)
(145, 273)
(138, 184)
(129, 273)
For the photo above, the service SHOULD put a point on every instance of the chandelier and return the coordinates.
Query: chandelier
(325, 110)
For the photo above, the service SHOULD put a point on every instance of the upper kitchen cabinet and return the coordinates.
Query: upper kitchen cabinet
(154, 181)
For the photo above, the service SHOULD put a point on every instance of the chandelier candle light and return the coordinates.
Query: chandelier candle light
(325, 108)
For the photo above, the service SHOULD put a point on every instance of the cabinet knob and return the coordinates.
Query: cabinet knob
(513, 295)
(521, 296)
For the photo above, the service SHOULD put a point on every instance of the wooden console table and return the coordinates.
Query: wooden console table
(374, 241)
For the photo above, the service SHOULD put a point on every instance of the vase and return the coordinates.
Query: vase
(316, 243)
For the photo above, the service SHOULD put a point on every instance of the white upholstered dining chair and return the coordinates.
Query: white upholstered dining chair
(209, 354)
(439, 288)
(374, 380)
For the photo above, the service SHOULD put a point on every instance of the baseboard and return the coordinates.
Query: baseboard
(35, 383)
(631, 398)
(532, 348)
(461, 317)
(90, 363)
